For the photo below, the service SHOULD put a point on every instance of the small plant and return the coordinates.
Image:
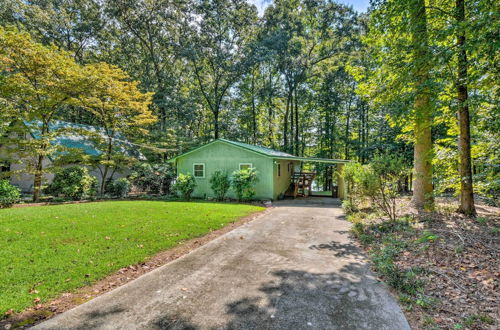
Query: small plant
(348, 206)
(9, 194)
(120, 188)
(185, 185)
(243, 182)
(427, 237)
(482, 220)
(73, 182)
(220, 184)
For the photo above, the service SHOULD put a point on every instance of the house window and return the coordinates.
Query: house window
(279, 169)
(245, 166)
(199, 170)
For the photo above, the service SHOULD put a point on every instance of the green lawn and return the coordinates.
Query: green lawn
(55, 249)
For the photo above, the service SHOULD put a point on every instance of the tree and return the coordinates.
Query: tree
(217, 48)
(72, 25)
(120, 109)
(466, 190)
(38, 81)
(422, 187)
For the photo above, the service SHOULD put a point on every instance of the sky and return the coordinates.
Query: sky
(358, 5)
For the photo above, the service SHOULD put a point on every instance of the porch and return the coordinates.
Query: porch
(317, 177)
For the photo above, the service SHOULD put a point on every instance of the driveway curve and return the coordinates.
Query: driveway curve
(294, 267)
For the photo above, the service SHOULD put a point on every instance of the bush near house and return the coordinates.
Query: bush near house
(8, 194)
(153, 178)
(119, 188)
(243, 182)
(220, 184)
(185, 185)
(73, 182)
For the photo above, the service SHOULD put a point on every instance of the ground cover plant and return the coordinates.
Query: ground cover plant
(442, 265)
(45, 251)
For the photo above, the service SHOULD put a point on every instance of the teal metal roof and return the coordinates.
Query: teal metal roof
(72, 139)
(262, 150)
(271, 153)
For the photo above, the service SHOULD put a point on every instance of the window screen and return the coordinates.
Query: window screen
(199, 170)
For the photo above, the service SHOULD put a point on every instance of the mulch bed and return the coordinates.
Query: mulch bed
(66, 301)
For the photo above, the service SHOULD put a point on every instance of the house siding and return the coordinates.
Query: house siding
(223, 156)
(282, 182)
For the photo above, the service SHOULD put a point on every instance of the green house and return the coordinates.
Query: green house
(278, 172)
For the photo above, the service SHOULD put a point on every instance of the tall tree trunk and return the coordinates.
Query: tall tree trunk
(285, 124)
(37, 182)
(466, 190)
(422, 187)
(297, 128)
(216, 123)
(346, 136)
(109, 151)
(292, 124)
(270, 112)
(254, 112)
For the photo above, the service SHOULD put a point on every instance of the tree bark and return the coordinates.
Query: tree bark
(466, 190)
(297, 144)
(254, 112)
(37, 182)
(423, 153)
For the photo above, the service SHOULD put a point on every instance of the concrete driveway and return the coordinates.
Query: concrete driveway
(295, 267)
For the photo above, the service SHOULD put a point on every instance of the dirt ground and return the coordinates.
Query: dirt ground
(462, 267)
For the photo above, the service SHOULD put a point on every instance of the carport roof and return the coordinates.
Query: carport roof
(271, 153)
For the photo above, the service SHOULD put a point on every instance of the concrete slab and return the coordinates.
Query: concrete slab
(293, 268)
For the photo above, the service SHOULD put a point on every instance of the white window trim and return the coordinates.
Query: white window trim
(239, 166)
(204, 170)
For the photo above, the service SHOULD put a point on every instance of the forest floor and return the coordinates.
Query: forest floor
(443, 266)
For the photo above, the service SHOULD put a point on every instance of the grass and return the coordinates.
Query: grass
(45, 251)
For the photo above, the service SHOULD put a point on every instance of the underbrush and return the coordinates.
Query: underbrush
(385, 241)
(442, 266)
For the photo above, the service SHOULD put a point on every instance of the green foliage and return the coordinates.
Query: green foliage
(75, 245)
(73, 182)
(9, 194)
(482, 220)
(220, 184)
(378, 182)
(348, 206)
(184, 185)
(153, 178)
(119, 188)
(243, 183)
(427, 237)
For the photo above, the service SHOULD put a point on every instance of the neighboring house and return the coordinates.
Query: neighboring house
(278, 172)
(70, 140)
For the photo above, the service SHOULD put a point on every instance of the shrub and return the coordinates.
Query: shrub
(379, 182)
(73, 182)
(243, 182)
(120, 188)
(9, 194)
(153, 178)
(220, 184)
(185, 185)
(348, 206)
